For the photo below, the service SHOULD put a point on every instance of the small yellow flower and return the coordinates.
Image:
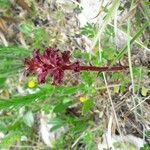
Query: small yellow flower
(31, 84)
(83, 99)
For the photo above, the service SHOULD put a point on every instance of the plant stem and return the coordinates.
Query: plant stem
(99, 69)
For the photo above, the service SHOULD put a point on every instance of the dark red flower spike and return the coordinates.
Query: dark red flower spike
(54, 63)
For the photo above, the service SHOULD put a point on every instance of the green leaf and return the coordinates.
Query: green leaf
(145, 147)
(79, 127)
(88, 141)
(54, 128)
(26, 28)
(67, 90)
(40, 35)
(108, 53)
(116, 89)
(18, 101)
(125, 145)
(116, 76)
(46, 109)
(9, 140)
(77, 53)
(86, 56)
(89, 30)
(148, 134)
(5, 4)
(2, 81)
(66, 100)
(61, 107)
(146, 10)
(2, 126)
(144, 91)
(28, 119)
(85, 76)
(57, 123)
(15, 125)
(86, 106)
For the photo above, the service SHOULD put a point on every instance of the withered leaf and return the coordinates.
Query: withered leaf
(5, 94)
(3, 26)
(24, 4)
(9, 19)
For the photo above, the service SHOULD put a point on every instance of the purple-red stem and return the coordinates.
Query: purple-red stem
(99, 69)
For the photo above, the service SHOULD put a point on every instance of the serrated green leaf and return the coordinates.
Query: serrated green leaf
(89, 30)
(76, 53)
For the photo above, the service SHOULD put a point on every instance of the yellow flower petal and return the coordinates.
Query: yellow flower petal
(83, 99)
(31, 84)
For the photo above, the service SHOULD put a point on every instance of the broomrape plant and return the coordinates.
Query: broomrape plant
(54, 63)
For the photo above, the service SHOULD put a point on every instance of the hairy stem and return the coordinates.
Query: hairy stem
(99, 69)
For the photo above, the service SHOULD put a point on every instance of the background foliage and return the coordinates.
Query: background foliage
(26, 25)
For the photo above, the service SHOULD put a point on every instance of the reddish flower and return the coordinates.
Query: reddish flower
(54, 63)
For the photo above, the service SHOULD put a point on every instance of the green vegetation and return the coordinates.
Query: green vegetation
(82, 105)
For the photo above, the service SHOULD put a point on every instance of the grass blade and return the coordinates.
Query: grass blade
(123, 51)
